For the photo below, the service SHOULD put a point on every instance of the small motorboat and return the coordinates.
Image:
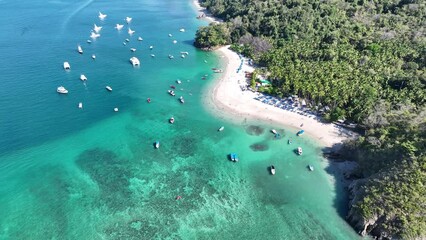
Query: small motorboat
(151, 47)
(94, 35)
(148, 100)
(152, 55)
(289, 141)
(108, 88)
(178, 81)
(171, 56)
(310, 168)
(300, 132)
(186, 53)
(127, 40)
(181, 99)
(80, 105)
(183, 56)
(272, 168)
(174, 41)
(273, 131)
(182, 30)
(124, 43)
(83, 78)
(79, 49)
(170, 35)
(157, 144)
(115, 109)
(67, 66)
(233, 157)
(221, 129)
(62, 90)
(299, 151)
(128, 20)
(172, 86)
(93, 56)
(133, 49)
(118, 26)
(172, 120)
(89, 41)
(102, 16)
(171, 92)
(134, 61)
(140, 39)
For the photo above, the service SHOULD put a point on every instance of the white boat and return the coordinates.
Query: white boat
(272, 168)
(172, 120)
(93, 56)
(311, 168)
(118, 26)
(221, 129)
(133, 49)
(182, 30)
(124, 43)
(171, 56)
(115, 109)
(62, 90)
(102, 16)
(170, 35)
(134, 61)
(174, 41)
(79, 49)
(80, 105)
(299, 151)
(83, 78)
(89, 41)
(67, 66)
(181, 99)
(157, 144)
(152, 55)
(130, 32)
(94, 35)
(274, 131)
(97, 29)
(178, 81)
(108, 88)
(186, 53)
(140, 39)
(183, 56)
(171, 92)
(128, 20)
(151, 47)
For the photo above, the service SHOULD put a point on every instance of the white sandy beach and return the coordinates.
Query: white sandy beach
(226, 99)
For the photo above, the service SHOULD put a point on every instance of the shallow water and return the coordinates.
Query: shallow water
(91, 173)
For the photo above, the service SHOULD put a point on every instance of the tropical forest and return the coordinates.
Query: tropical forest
(365, 63)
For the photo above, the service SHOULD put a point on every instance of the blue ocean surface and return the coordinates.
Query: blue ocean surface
(92, 173)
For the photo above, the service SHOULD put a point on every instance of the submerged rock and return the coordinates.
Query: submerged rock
(259, 147)
(255, 130)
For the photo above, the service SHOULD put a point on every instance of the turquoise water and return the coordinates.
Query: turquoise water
(91, 173)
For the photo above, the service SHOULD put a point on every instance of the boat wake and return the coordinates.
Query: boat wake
(73, 13)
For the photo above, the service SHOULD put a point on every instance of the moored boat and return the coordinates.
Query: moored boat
(80, 105)
(181, 99)
(172, 120)
(273, 131)
(148, 100)
(299, 151)
(79, 49)
(272, 168)
(134, 61)
(133, 49)
(171, 92)
(178, 81)
(62, 90)
(67, 66)
(311, 168)
(233, 157)
(157, 144)
(140, 39)
(289, 141)
(221, 129)
(115, 109)
(83, 78)
(93, 56)
(108, 88)
(300, 132)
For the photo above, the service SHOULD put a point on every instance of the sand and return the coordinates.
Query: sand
(226, 99)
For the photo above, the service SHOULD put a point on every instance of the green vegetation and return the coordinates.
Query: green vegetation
(365, 61)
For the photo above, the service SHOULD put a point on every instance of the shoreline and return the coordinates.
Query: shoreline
(225, 98)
